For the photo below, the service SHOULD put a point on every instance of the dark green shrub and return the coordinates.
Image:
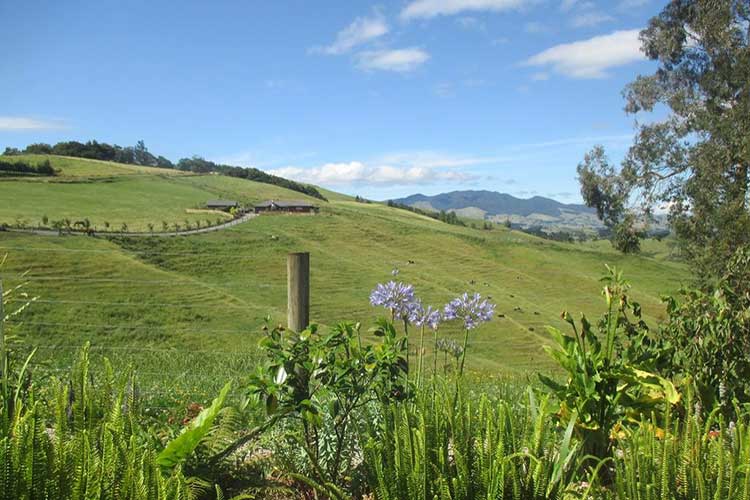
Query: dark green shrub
(709, 329)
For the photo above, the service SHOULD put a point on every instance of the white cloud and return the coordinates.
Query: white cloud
(593, 57)
(356, 172)
(432, 8)
(398, 168)
(400, 60)
(20, 123)
(360, 31)
(588, 19)
(540, 76)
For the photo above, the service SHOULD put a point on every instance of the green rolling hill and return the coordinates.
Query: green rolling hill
(209, 293)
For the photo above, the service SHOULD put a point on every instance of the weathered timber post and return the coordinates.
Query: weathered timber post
(298, 291)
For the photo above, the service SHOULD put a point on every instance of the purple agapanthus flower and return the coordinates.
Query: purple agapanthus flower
(472, 310)
(396, 296)
(421, 316)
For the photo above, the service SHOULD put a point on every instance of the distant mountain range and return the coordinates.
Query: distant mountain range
(499, 207)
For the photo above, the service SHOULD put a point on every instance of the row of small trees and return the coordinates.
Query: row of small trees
(84, 225)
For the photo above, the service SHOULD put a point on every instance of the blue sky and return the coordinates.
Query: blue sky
(378, 99)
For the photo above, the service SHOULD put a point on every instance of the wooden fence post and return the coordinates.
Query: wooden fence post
(298, 291)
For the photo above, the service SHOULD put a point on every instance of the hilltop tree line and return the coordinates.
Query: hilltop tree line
(140, 155)
(443, 216)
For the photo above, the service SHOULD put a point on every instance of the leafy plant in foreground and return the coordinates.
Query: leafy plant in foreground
(469, 448)
(318, 382)
(90, 446)
(609, 383)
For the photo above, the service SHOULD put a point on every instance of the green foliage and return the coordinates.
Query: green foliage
(469, 448)
(442, 216)
(625, 236)
(611, 379)
(86, 442)
(710, 331)
(684, 458)
(604, 189)
(180, 448)
(23, 168)
(322, 381)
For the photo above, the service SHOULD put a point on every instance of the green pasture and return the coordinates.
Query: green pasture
(162, 303)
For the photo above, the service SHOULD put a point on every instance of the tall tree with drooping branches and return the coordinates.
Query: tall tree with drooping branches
(694, 161)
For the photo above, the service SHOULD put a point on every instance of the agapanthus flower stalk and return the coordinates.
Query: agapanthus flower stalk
(396, 296)
(472, 311)
(423, 318)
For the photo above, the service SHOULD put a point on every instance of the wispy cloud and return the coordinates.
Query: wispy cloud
(535, 28)
(562, 194)
(435, 159)
(471, 23)
(588, 19)
(593, 57)
(22, 123)
(362, 30)
(445, 89)
(431, 8)
(632, 4)
(396, 168)
(358, 173)
(398, 60)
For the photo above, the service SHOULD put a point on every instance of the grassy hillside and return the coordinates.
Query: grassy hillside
(116, 193)
(70, 167)
(184, 308)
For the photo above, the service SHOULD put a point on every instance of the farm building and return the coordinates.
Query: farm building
(285, 206)
(225, 205)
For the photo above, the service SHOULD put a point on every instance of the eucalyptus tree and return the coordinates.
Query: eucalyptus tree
(694, 162)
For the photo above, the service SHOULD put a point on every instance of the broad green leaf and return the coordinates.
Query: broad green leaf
(181, 447)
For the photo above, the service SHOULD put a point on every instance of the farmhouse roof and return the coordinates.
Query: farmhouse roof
(285, 204)
(221, 203)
